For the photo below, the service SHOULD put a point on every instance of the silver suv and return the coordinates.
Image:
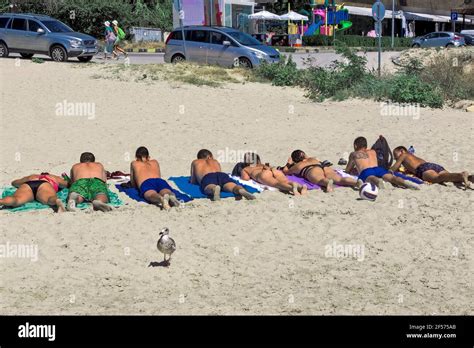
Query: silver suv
(30, 34)
(217, 46)
(439, 39)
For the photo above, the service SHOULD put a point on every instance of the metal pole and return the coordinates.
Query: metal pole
(334, 21)
(379, 30)
(380, 50)
(393, 23)
(181, 24)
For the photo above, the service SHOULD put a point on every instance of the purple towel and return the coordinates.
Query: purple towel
(302, 181)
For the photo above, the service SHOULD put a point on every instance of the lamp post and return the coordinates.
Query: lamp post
(393, 23)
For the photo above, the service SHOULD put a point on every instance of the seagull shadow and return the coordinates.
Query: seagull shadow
(159, 264)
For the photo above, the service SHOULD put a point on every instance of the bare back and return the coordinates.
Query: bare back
(88, 170)
(365, 158)
(297, 167)
(201, 167)
(144, 170)
(411, 162)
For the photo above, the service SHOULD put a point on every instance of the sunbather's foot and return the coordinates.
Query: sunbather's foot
(411, 185)
(216, 193)
(174, 201)
(330, 186)
(246, 194)
(303, 189)
(465, 178)
(379, 182)
(60, 205)
(166, 202)
(99, 205)
(71, 203)
(294, 189)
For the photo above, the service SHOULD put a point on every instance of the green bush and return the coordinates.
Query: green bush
(354, 41)
(350, 78)
(88, 16)
(412, 90)
(284, 73)
(327, 83)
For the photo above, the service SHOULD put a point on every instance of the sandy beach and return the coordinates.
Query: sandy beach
(273, 255)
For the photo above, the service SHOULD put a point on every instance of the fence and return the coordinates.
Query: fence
(146, 34)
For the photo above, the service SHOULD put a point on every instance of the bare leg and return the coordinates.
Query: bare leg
(303, 189)
(377, 181)
(73, 199)
(330, 186)
(173, 200)
(214, 191)
(166, 193)
(100, 203)
(445, 176)
(238, 191)
(48, 196)
(325, 182)
(153, 197)
(339, 180)
(400, 182)
(21, 196)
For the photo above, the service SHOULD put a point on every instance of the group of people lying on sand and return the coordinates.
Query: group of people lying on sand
(87, 181)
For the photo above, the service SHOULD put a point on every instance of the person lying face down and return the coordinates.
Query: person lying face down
(206, 172)
(365, 161)
(88, 183)
(267, 175)
(40, 187)
(145, 175)
(315, 171)
(427, 171)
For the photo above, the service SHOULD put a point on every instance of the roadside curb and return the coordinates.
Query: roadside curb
(145, 50)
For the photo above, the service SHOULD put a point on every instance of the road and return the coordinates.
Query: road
(302, 60)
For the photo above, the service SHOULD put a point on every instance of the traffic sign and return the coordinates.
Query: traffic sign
(181, 14)
(378, 28)
(378, 11)
(454, 16)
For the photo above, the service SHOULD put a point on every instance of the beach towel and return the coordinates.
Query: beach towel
(312, 186)
(183, 184)
(114, 200)
(303, 181)
(409, 178)
(256, 185)
(133, 193)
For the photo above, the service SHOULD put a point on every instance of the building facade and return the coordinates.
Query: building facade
(419, 16)
(229, 13)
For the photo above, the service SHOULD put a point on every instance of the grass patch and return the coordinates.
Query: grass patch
(193, 74)
(443, 80)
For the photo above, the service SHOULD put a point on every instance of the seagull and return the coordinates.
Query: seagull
(166, 244)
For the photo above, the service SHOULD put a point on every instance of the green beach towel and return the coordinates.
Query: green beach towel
(114, 200)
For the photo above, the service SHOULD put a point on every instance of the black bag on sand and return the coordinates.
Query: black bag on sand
(384, 154)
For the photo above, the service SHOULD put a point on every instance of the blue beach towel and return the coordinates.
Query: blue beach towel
(133, 193)
(182, 182)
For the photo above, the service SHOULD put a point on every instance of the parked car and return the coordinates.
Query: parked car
(30, 34)
(439, 39)
(468, 36)
(217, 46)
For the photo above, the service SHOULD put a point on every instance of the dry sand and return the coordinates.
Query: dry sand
(260, 257)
